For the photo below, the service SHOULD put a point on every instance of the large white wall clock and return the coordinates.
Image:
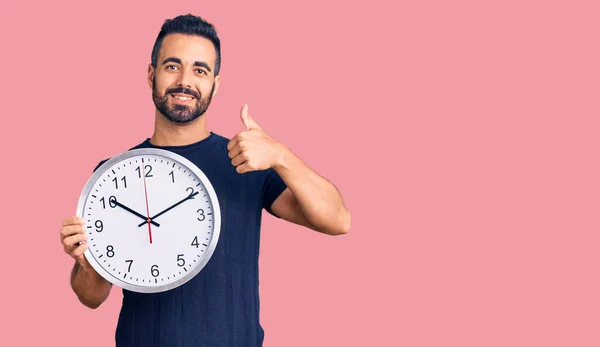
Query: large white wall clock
(152, 220)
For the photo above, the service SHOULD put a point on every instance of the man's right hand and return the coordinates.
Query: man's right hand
(91, 288)
(71, 233)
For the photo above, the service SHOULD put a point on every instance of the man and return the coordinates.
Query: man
(220, 305)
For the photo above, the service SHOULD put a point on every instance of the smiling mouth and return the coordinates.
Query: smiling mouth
(182, 97)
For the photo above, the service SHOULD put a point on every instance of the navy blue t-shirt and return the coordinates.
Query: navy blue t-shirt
(220, 305)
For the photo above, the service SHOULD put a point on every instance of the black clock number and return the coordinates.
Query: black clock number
(195, 242)
(147, 169)
(124, 179)
(172, 176)
(110, 251)
(154, 270)
(180, 260)
(201, 212)
(190, 188)
(111, 202)
(130, 262)
(99, 226)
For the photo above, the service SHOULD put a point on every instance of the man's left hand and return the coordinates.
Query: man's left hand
(253, 149)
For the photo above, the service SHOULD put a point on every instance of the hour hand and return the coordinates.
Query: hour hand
(189, 197)
(113, 200)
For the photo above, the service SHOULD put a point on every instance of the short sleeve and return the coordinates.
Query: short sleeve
(273, 186)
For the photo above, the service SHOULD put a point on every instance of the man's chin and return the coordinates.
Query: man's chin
(182, 118)
(179, 114)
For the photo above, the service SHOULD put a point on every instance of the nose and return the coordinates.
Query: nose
(184, 79)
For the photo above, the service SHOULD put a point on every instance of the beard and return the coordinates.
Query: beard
(181, 114)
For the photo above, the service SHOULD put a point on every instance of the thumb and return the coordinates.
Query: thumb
(249, 123)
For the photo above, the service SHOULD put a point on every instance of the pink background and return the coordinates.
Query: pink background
(462, 134)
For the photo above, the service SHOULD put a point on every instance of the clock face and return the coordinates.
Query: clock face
(152, 220)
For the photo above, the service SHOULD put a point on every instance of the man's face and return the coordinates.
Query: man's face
(183, 82)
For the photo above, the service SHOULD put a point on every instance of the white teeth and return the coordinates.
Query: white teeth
(183, 98)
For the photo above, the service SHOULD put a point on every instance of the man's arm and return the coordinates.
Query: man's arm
(91, 288)
(310, 200)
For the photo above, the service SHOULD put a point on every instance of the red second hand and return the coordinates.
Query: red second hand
(147, 209)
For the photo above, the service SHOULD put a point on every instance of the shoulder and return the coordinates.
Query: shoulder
(219, 137)
(100, 163)
(142, 144)
(220, 140)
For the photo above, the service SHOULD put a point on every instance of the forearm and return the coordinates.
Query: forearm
(91, 288)
(319, 200)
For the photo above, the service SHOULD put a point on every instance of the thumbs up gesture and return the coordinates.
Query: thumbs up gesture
(252, 149)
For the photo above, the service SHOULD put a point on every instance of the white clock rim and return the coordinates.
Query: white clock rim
(85, 194)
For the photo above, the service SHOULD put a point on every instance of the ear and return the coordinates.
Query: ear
(217, 80)
(150, 75)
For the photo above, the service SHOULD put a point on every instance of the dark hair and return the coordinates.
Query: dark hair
(190, 25)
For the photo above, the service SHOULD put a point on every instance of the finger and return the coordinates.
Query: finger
(74, 239)
(233, 142)
(71, 230)
(73, 220)
(239, 159)
(78, 252)
(245, 116)
(235, 151)
(245, 167)
(249, 123)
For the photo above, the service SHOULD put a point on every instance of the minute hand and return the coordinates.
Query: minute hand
(191, 196)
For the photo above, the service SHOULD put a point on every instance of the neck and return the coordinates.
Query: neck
(167, 133)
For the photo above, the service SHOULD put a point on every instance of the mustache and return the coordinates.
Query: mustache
(182, 90)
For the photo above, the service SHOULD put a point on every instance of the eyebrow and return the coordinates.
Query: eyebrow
(178, 61)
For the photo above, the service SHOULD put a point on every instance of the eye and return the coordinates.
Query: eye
(200, 72)
(171, 67)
